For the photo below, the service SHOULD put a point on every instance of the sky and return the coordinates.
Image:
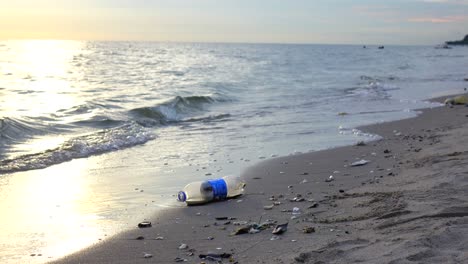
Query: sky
(247, 21)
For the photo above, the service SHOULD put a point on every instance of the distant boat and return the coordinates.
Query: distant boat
(381, 47)
(443, 46)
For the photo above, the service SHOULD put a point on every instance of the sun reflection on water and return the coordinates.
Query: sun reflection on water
(50, 212)
(36, 72)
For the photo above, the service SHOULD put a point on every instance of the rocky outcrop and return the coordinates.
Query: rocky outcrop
(459, 42)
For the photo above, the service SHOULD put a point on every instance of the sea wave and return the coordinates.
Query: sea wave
(80, 147)
(173, 110)
(17, 128)
(373, 88)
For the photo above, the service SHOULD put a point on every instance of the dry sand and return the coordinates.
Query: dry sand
(409, 204)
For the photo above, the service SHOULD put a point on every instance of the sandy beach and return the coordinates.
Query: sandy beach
(407, 204)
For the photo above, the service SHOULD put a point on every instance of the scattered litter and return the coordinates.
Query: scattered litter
(215, 257)
(183, 246)
(268, 207)
(298, 198)
(254, 230)
(296, 211)
(144, 224)
(359, 163)
(330, 179)
(238, 223)
(242, 230)
(147, 255)
(308, 229)
(461, 99)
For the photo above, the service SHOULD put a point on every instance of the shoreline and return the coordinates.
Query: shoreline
(361, 212)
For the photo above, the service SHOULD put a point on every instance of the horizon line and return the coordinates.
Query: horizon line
(213, 42)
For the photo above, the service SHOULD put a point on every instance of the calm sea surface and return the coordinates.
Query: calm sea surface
(95, 136)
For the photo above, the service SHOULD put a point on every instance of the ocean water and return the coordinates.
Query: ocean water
(99, 135)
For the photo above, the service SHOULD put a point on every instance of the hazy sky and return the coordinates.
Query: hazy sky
(286, 21)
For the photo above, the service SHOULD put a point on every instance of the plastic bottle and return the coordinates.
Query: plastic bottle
(211, 190)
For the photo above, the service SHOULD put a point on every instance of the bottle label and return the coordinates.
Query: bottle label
(219, 189)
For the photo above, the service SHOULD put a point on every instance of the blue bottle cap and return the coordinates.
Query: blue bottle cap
(181, 196)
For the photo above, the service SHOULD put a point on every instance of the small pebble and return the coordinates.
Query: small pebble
(144, 224)
(183, 246)
(330, 179)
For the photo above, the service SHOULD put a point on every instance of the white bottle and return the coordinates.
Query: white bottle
(211, 190)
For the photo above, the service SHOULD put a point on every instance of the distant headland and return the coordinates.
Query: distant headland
(458, 42)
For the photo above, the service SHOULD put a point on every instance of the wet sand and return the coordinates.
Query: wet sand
(408, 204)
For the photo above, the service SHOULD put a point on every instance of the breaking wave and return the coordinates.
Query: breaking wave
(79, 147)
(134, 127)
(174, 110)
